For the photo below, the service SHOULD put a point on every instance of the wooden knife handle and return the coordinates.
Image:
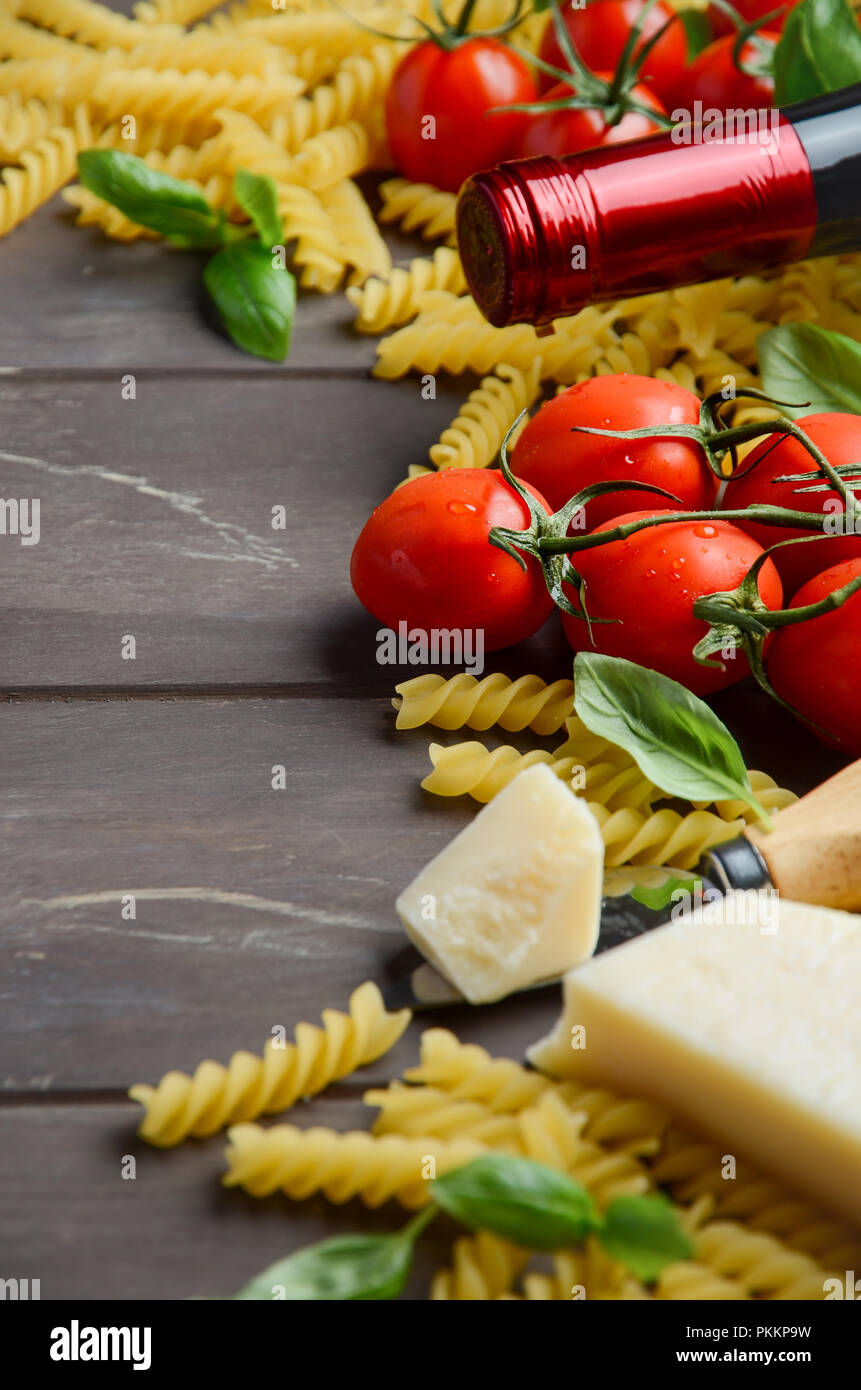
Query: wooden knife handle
(814, 851)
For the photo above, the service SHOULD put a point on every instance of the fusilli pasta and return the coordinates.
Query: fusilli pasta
(181, 1106)
(463, 701)
(418, 207)
(301, 1162)
(44, 169)
(384, 303)
(474, 437)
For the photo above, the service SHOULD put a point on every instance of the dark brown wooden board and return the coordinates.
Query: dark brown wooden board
(71, 1220)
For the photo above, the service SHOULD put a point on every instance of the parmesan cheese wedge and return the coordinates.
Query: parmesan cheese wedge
(516, 897)
(752, 1035)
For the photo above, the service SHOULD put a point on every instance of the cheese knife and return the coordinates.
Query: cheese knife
(813, 855)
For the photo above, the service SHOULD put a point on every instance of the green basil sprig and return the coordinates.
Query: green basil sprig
(819, 51)
(343, 1269)
(523, 1201)
(247, 280)
(671, 734)
(802, 362)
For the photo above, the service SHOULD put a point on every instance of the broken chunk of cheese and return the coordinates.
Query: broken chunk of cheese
(754, 1037)
(516, 897)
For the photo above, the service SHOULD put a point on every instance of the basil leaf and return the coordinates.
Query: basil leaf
(660, 895)
(819, 51)
(256, 194)
(801, 362)
(698, 32)
(644, 1234)
(344, 1268)
(670, 733)
(166, 205)
(255, 298)
(524, 1201)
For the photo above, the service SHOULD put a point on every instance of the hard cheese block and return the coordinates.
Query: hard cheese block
(516, 897)
(753, 1036)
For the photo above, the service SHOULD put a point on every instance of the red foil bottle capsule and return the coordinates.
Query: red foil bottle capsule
(540, 238)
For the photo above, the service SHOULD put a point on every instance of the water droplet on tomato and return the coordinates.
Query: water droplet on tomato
(706, 532)
(678, 562)
(650, 574)
(460, 508)
(674, 574)
(629, 460)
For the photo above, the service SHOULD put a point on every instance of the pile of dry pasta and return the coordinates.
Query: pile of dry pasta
(296, 92)
(753, 1238)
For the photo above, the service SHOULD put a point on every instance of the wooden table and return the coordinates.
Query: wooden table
(152, 776)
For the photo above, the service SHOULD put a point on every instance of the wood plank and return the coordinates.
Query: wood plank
(156, 521)
(254, 907)
(73, 298)
(72, 1221)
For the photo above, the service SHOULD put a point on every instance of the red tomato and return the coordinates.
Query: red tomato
(564, 132)
(600, 31)
(839, 438)
(714, 79)
(560, 462)
(751, 10)
(816, 665)
(650, 582)
(424, 558)
(437, 106)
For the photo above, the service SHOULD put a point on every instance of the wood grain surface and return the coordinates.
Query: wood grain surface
(254, 907)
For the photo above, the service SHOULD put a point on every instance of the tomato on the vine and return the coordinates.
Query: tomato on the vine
(751, 10)
(715, 79)
(424, 558)
(838, 436)
(600, 30)
(439, 118)
(649, 583)
(554, 457)
(815, 666)
(569, 129)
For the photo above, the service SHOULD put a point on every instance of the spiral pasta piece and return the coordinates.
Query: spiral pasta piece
(662, 837)
(301, 1162)
(357, 232)
(693, 1169)
(761, 1265)
(482, 773)
(484, 1267)
(418, 207)
(384, 303)
(44, 168)
(82, 20)
(551, 1133)
(22, 123)
(318, 255)
(172, 11)
(354, 94)
(589, 1273)
(474, 437)
(464, 1074)
(181, 1106)
(463, 701)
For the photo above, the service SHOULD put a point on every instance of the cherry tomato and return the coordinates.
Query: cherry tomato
(565, 131)
(751, 10)
(424, 558)
(600, 31)
(816, 665)
(839, 438)
(714, 79)
(437, 109)
(551, 456)
(650, 582)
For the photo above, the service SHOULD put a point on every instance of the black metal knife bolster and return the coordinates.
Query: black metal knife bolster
(736, 865)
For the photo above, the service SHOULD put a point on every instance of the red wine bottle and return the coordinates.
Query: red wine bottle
(540, 238)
